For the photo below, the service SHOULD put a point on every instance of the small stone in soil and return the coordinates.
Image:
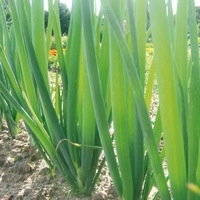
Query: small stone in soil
(23, 168)
(19, 197)
(8, 197)
(18, 158)
(5, 177)
(2, 161)
(27, 191)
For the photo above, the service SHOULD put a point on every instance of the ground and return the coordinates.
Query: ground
(24, 175)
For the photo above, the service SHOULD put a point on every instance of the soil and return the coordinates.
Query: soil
(24, 175)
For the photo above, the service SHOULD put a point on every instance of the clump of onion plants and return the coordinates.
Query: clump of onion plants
(139, 163)
(59, 116)
(103, 80)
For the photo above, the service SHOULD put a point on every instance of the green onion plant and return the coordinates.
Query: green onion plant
(7, 111)
(175, 73)
(59, 116)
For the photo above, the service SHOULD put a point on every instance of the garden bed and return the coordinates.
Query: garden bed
(24, 175)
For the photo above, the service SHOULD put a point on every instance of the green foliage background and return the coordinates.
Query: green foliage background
(64, 14)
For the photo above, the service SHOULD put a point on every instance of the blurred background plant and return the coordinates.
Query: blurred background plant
(64, 17)
(53, 54)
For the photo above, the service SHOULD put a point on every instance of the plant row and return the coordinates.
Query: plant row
(104, 82)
